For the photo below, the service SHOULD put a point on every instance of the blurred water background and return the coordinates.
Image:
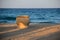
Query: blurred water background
(41, 15)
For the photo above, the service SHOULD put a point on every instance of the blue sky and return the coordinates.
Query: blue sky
(29, 3)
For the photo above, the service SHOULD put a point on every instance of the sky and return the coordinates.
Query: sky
(29, 3)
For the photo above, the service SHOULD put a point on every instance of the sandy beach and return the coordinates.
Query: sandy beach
(35, 31)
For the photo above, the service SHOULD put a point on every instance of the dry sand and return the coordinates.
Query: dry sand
(35, 31)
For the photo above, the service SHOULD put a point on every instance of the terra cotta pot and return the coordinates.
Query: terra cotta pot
(22, 21)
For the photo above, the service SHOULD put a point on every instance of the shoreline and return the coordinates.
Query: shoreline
(14, 24)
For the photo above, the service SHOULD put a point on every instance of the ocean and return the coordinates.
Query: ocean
(39, 15)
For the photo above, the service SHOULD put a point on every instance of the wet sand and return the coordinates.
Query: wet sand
(35, 31)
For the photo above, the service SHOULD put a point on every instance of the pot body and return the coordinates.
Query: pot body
(22, 21)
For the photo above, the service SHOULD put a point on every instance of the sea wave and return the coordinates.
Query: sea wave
(48, 15)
